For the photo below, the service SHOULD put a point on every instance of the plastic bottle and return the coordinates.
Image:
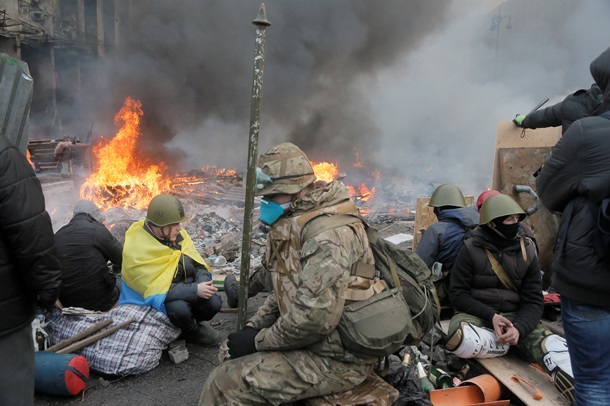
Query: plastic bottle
(424, 383)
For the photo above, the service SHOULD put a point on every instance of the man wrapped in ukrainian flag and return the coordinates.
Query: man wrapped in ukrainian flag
(162, 269)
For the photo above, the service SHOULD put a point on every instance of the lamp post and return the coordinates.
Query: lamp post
(261, 24)
(496, 20)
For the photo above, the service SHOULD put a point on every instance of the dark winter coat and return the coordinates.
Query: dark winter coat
(85, 246)
(580, 104)
(573, 181)
(29, 266)
(477, 290)
(442, 241)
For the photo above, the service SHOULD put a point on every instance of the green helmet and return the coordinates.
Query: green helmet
(283, 169)
(164, 210)
(447, 195)
(499, 206)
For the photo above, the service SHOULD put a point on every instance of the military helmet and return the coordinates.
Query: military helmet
(283, 169)
(486, 195)
(447, 195)
(499, 206)
(164, 210)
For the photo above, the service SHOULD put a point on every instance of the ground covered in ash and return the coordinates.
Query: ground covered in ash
(215, 227)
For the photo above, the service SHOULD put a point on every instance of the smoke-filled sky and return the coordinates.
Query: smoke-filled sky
(415, 87)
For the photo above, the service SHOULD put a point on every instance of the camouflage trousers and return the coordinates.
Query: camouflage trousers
(530, 346)
(259, 281)
(265, 378)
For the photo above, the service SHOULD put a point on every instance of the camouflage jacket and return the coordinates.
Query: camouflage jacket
(311, 278)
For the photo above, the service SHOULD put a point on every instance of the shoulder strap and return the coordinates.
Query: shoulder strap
(323, 222)
(500, 272)
(326, 222)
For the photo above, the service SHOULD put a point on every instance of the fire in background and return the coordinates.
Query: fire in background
(122, 176)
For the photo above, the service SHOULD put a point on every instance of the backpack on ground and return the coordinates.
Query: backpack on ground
(400, 315)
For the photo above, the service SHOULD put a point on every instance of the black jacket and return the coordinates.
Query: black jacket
(580, 104)
(85, 247)
(573, 181)
(29, 267)
(477, 290)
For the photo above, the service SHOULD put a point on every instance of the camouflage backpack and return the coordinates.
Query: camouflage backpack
(400, 269)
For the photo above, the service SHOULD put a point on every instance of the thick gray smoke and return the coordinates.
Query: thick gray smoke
(414, 86)
(190, 64)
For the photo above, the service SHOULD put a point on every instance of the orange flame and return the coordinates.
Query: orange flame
(325, 171)
(124, 178)
(29, 158)
(363, 192)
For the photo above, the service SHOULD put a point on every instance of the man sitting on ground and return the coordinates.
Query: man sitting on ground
(85, 246)
(162, 268)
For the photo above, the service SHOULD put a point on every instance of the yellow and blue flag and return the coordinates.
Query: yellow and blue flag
(150, 266)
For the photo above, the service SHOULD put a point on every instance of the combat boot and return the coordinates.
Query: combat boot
(231, 288)
(203, 335)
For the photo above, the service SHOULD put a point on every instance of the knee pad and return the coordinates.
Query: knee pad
(557, 362)
(555, 350)
(471, 341)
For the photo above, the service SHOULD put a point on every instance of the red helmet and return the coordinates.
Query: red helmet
(485, 195)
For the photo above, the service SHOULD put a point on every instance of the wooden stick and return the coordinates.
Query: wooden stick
(553, 327)
(81, 335)
(93, 338)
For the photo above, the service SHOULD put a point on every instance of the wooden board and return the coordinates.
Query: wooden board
(510, 136)
(503, 368)
(518, 155)
(424, 216)
(219, 280)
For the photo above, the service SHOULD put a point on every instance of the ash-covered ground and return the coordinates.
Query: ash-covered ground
(215, 216)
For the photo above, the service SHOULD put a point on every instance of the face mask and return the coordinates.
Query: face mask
(271, 212)
(508, 230)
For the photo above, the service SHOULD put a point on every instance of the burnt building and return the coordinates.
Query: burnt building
(62, 41)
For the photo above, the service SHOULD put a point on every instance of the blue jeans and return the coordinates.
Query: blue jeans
(587, 330)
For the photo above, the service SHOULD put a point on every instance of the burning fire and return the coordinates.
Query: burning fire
(124, 178)
(362, 193)
(328, 172)
(29, 158)
(325, 171)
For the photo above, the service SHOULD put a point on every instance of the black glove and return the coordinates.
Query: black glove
(242, 342)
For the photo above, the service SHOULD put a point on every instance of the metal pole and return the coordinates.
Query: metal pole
(261, 24)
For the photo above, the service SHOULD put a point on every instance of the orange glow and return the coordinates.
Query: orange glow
(325, 171)
(358, 164)
(124, 178)
(363, 193)
(215, 171)
(29, 157)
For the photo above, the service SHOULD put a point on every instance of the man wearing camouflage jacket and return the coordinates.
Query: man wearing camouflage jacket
(290, 349)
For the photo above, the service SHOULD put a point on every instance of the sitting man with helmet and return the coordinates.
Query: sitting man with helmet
(442, 240)
(496, 290)
(162, 268)
(291, 349)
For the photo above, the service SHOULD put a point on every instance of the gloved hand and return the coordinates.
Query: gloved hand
(518, 120)
(242, 342)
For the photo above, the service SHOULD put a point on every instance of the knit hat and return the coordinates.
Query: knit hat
(88, 207)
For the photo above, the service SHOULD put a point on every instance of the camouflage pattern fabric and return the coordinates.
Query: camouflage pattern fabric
(374, 391)
(278, 377)
(259, 281)
(300, 353)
